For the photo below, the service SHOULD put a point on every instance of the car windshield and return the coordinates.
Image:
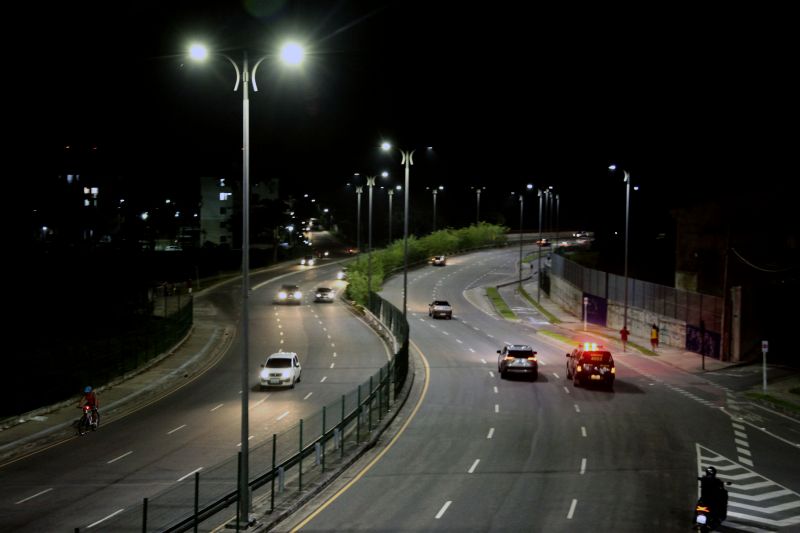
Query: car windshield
(290, 288)
(323, 289)
(279, 362)
(597, 357)
(440, 302)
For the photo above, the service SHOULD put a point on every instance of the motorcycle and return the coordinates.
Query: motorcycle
(89, 420)
(709, 515)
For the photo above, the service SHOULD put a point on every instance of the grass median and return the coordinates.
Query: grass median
(499, 304)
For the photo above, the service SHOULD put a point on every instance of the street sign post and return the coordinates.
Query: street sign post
(764, 350)
(585, 311)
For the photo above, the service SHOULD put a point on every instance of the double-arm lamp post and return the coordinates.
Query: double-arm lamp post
(407, 161)
(292, 54)
(521, 205)
(627, 178)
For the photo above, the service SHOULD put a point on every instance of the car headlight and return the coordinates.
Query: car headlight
(298, 295)
(340, 275)
(282, 295)
(264, 374)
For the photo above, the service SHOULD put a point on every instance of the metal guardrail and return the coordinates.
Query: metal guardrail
(346, 423)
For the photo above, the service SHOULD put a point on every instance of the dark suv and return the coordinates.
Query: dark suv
(517, 359)
(591, 363)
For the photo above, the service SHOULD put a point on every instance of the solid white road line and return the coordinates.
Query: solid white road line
(45, 491)
(115, 513)
(572, 509)
(190, 474)
(118, 458)
(443, 509)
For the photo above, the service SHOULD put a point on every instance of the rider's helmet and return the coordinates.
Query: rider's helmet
(87, 390)
(711, 471)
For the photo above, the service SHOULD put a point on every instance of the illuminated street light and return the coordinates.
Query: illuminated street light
(627, 179)
(435, 190)
(407, 161)
(478, 208)
(521, 204)
(291, 54)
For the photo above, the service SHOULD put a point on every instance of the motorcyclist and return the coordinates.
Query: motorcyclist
(90, 399)
(713, 493)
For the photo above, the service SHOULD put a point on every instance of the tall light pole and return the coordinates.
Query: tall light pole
(359, 190)
(370, 184)
(390, 192)
(407, 161)
(435, 190)
(627, 178)
(478, 208)
(291, 53)
(521, 203)
(557, 225)
(539, 259)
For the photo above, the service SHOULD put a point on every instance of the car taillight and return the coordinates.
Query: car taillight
(614, 370)
(510, 358)
(531, 359)
(578, 368)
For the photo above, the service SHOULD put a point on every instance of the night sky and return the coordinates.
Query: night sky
(696, 103)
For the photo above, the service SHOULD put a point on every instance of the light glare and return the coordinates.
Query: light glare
(292, 53)
(198, 52)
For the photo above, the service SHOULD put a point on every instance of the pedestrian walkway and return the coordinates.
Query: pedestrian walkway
(205, 343)
(782, 394)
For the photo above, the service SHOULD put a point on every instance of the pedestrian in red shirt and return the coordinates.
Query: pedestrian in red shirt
(623, 334)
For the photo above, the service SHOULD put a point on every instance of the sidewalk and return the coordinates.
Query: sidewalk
(779, 391)
(206, 342)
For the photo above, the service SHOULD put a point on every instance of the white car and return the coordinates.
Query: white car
(282, 369)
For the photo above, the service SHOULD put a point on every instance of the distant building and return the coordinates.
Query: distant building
(217, 207)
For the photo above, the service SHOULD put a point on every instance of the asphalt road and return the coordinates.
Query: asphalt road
(83, 481)
(486, 454)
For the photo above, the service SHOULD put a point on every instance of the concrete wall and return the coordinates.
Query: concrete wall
(570, 298)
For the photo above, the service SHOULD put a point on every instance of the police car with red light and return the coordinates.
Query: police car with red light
(591, 363)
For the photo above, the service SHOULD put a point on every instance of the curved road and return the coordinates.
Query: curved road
(486, 454)
(81, 482)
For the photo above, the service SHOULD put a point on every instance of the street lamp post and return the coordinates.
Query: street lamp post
(407, 161)
(291, 53)
(370, 184)
(478, 207)
(627, 178)
(359, 190)
(390, 192)
(521, 203)
(539, 259)
(435, 190)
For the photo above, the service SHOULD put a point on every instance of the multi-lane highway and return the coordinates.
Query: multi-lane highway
(86, 481)
(485, 454)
